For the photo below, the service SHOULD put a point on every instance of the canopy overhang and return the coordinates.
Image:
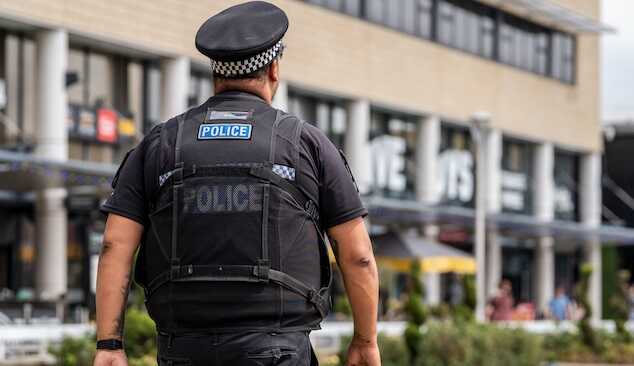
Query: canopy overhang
(23, 172)
(391, 211)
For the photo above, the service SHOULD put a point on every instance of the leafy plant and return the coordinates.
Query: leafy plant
(415, 310)
(74, 351)
(586, 330)
(393, 351)
(620, 303)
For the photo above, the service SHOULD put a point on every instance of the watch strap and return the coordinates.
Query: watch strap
(110, 344)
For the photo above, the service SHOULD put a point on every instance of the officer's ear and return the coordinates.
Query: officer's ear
(274, 72)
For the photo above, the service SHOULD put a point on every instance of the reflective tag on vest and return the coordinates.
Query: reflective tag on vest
(224, 131)
(227, 115)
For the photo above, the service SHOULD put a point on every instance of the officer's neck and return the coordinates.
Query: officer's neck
(258, 88)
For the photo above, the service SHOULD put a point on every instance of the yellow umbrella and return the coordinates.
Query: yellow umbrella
(396, 251)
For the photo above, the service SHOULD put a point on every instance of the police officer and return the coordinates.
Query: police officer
(229, 202)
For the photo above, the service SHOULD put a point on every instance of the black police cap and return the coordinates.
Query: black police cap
(243, 37)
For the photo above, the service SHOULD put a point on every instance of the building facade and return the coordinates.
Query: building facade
(392, 83)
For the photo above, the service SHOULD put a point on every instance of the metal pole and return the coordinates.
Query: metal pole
(479, 132)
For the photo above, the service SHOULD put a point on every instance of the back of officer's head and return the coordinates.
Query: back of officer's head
(244, 44)
(263, 82)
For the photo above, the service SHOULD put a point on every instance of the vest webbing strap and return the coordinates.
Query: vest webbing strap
(266, 173)
(241, 273)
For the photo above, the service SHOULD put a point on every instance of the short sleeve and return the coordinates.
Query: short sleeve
(131, 188)
(339, 199)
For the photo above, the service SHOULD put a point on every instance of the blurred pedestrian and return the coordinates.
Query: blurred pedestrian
(500, 307)
(560, 307)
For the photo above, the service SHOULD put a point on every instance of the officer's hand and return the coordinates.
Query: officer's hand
(110, 358)
(363, 353)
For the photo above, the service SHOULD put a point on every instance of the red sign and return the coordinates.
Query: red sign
(107, 125)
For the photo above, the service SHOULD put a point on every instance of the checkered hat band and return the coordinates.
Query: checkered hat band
(245, 67)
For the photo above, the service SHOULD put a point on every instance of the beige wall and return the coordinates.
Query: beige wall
(353, 58)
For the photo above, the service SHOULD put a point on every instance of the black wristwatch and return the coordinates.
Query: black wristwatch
(110, 344)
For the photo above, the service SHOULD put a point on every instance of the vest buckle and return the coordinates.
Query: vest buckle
(311, 209)
(261, 271)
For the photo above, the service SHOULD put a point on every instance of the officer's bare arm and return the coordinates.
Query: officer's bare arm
(120, 241)
(358, 267)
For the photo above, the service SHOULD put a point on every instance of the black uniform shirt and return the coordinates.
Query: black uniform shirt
(321, 173)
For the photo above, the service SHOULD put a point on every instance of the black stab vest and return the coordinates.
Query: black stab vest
(234, 244)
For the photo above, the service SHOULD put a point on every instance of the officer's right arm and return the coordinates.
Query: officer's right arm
(120, 242)
(360, 276)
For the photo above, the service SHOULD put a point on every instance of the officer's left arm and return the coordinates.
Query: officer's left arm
(121, 239)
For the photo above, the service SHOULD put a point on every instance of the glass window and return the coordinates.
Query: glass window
(393, 14)
(456, 167)
(393, 146)
(425, 8)
(334, 4)
(330, 116)
(566, 174)
(374, 10)
(487, 30)
(199, 88)
(352, 7)
(100, 80)
(541, 54)
(517, 175)
(76, 64)
(409, 16)
(446, 23)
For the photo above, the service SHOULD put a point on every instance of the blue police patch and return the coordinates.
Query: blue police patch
(224, 131)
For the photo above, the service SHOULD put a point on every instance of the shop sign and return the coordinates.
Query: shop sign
(455, 172)
(127, 127)
(85, 127)
(107, 125)
(388, 163)
(514, 190)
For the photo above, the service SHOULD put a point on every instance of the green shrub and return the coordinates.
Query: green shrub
(570, 347)
(393, 351)
(469, 344)
(415, 310)
(588, 335)
(139, 334)
(74, 351)
(139, 341)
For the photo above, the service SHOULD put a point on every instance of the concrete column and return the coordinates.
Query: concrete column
(544, 207)
(51, 235)
(357, 142)
(52, 143)
(51, 134)
(493, 146)
(590, 206)
(427, 191)
(280, 99)
(175, 85)
(428, 142)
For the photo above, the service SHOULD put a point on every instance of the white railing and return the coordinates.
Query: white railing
(29, 344)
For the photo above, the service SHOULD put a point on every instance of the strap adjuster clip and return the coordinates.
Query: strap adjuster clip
(261, 271)
(311, 209)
